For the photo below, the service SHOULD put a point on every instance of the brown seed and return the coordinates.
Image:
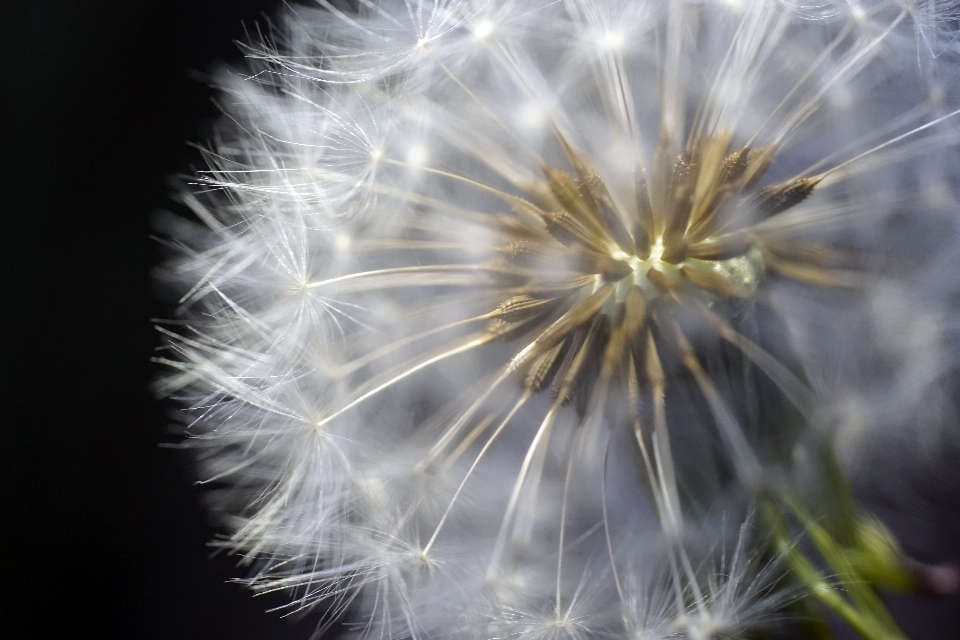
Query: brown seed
(809, 252)
(758, 161)
(635, 311)
(812, 274)
(571, 347)
(570, 231)
(725, 247)
(565, 189)
(777, 198)
(675, 251)
(521, 307)
(642, 229)
(659, 280)
(712, 282)
(592, 188)
(681, 200)
(539, 371)
(734, 166)
(610, 268)
(578, 314)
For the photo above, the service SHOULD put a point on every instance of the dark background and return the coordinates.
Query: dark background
(101, 532)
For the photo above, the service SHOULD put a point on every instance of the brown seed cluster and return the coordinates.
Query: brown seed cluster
(592, 271)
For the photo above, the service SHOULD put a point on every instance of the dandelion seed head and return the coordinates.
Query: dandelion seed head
(493, 296)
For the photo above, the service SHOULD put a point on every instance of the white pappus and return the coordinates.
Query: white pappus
(497, 312)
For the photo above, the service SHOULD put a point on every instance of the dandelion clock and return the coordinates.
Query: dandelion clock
(574, 318)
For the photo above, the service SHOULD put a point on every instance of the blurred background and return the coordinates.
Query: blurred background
(101, 530)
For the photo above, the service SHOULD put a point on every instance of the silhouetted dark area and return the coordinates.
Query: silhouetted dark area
(101, 531)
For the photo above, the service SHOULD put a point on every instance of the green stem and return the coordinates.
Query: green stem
(837, 557)
(862, 614)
